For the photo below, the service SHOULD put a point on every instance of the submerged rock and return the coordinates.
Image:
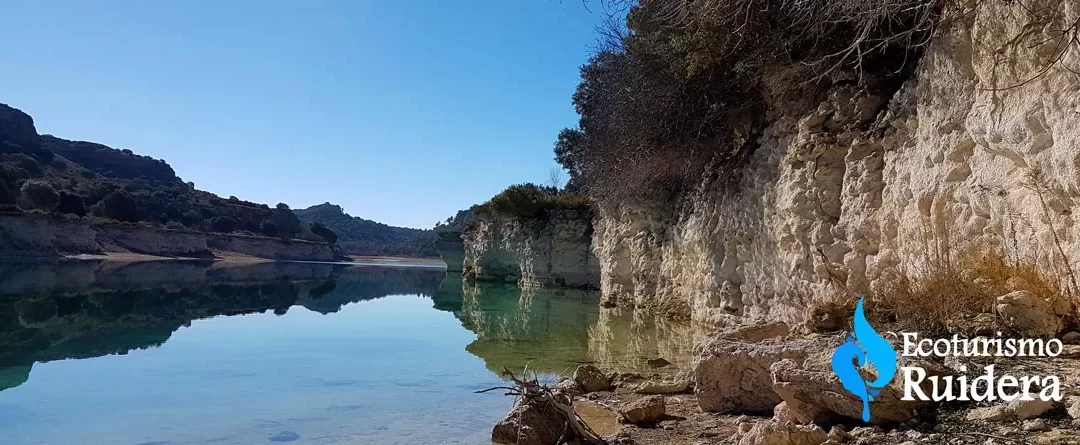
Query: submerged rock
(284, 436)
(657, 362)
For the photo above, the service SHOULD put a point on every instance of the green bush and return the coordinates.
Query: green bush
(117, 205)
(328, 235)
(39, 195)
(530, 200)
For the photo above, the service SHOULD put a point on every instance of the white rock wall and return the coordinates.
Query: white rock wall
(555, 250)
(837, 197)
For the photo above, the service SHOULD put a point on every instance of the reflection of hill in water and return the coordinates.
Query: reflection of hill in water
(81, 309)
(552, 331)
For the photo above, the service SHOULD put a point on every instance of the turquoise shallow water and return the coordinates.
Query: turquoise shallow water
(178, 353)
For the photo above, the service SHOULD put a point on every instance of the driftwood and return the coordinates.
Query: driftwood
(532, 391)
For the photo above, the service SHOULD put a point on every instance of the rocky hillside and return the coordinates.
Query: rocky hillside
(359, 236)
(100, 186)
(46, 174)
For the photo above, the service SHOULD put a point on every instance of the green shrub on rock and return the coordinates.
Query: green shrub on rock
(38, 195)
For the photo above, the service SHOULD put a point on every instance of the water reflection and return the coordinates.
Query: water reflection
(84, 309)
(192, 353)
(553, 331)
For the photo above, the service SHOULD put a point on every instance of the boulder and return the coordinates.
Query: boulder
(758, 332)
(1015, 410)
(1029, 315)
(673, 385)
(569, 387)
(1071, 338)
(1074, 410)
(1034, 425)
(774, 433)
(813, 393)
(973, 325)
(733, 375)
(645, 410)
(1029, 409)
(1056, 437)
(533, 422)
(592, 379)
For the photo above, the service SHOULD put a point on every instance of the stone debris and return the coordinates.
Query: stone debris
(592, 379)
(774, 433)
(672, 385)
(649, 409)
(733, 375)
(1015, 410)
(1028, 315)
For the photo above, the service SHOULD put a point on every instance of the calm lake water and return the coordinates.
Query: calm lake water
(171, 353)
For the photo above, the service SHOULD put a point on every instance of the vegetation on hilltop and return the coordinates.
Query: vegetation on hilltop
(46, 174)
(529, 201)
(359, 236)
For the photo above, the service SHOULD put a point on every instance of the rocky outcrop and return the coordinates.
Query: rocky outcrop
(41, 236)
(451, 250)
(977, 149)
(551, 250)
(734, 375)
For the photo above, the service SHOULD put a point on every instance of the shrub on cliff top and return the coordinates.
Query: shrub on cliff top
(687, 86)
(530, 200)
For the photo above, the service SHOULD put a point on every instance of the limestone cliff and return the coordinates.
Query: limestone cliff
(979, 146)
(551, 250)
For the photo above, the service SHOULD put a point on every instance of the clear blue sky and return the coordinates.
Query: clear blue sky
(402, 111)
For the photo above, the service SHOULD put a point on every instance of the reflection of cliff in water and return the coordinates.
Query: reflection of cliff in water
(543, 328)
(552, 331)
(82, 309)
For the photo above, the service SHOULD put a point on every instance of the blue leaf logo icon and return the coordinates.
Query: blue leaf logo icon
(865, 347)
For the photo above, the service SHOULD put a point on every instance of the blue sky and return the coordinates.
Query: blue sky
(402, 111)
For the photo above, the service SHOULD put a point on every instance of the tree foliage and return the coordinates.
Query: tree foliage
(117, 205)
(530, 200)
(689, 85)
(37, 194)
(328, 235)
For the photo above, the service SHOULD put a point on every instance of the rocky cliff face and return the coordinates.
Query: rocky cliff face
(979, 148)
(553, 250)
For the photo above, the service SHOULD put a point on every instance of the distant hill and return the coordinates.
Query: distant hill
(359, 236)
(75, 179)
(86, 180)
